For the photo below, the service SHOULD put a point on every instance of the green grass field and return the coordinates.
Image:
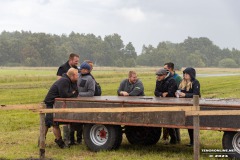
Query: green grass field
(20, 128)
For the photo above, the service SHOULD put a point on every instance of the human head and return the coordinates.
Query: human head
(161, 74)
(72, 73)
(73, 60)
(132, 77)
(169, 66)
(85, 68)
(90, 63)
(189, 73)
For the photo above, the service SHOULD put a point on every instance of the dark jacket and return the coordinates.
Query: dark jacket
(167, 85)
(64, 68)
(195, 89)
(62, 88)
(135, 89)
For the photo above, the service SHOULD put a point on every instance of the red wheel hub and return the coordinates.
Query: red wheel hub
(103, 133)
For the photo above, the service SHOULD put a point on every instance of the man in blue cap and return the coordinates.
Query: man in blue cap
(86, 88)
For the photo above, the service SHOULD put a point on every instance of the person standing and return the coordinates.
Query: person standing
(189, 86)
(73, 61)
(166, 86)
(86, 88)
(170, 67)
(64, 87)
(131, 86)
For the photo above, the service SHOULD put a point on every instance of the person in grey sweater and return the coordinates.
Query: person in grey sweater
(86, 84)
(86, 88)
(131, 86)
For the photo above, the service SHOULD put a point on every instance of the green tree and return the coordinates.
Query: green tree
(227, 63)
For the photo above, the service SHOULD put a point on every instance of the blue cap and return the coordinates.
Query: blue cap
(85, 65)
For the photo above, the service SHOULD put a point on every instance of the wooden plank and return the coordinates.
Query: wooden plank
(125, 109)
(42, 135)
(213, 113)
(196, 129)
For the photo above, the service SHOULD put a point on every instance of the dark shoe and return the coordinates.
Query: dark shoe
(189, 145)
(173, 142)
(72, 143)
(60, 143)
(79, 141)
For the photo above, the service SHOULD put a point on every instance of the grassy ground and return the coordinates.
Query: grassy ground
(19, 128)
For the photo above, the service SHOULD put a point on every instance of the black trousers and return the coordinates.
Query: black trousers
(78, 128)
(172, 134)
(190, 133)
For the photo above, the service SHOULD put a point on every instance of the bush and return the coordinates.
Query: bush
(227, 63)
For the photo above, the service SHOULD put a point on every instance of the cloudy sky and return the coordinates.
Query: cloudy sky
(137, 21)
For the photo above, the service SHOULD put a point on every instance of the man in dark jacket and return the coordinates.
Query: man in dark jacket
(166, 86)
(72, 62)
(170, 67)
(65, 87)
(131, 86)
(189, 86)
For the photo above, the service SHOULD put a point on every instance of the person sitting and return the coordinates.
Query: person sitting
(131, 86)
(166, 86)
(188, 87)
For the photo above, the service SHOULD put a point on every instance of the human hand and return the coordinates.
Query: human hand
(164, 94)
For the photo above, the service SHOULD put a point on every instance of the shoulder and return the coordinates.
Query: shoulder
(139, 81)
(124, 81)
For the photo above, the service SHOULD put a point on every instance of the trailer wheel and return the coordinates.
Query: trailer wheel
(231, 142)
(143, 135)
(102, 137)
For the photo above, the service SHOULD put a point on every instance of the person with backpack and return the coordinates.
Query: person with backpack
(188, 87)
(166, 86)
(86, 88)
(98, 90)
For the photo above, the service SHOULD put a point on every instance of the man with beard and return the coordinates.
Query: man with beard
(131, 86)
(166, 86)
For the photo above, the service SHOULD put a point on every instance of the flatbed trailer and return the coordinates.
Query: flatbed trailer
(106, 118)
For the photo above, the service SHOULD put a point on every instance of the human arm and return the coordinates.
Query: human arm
(195, 88)
(157, 93)
(121, 88)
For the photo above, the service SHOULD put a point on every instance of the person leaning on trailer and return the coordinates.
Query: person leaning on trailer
(131, 86)
(86, 88)
(166, 86)
(188, 87)
(64, 87)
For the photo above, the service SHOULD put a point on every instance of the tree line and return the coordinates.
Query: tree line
(40, 49)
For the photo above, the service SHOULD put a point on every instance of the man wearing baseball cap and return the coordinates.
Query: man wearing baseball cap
(166, 86)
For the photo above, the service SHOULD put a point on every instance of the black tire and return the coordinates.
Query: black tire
(102, 137)
(231, 142)
(143, 135)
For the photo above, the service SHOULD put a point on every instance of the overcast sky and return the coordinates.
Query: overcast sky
(137, 21)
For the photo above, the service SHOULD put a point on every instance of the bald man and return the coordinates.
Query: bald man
(65, 87)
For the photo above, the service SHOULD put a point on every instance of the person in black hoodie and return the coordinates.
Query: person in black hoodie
(65, 87)
(188, 87)
(166, 86)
